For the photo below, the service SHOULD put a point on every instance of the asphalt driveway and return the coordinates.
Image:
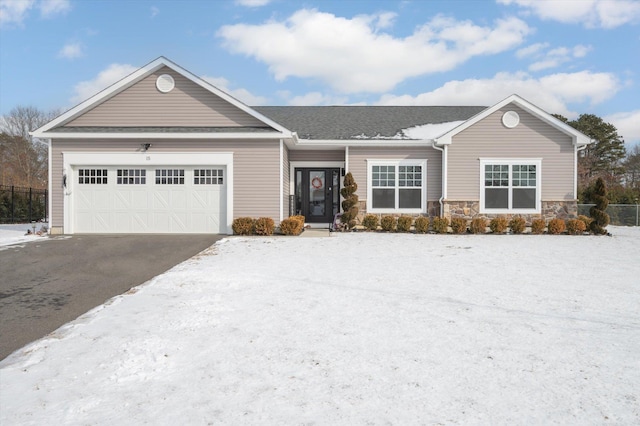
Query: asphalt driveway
(48, 283)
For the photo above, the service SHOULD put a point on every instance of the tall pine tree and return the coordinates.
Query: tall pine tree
(597, 212)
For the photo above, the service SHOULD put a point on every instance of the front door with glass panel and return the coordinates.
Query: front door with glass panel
(317, 194)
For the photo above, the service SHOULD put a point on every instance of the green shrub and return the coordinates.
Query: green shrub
(556, 226)
(291, 226)
(478, 225)
(370, 222)
(459, 225)
(350, 201)
(242, 226)
(498, 225)
(264, 226)
(404, 223)
(440, 225)
(422, 225)
(517, 224)
(388, 223)
(537, 226)
(576, 227)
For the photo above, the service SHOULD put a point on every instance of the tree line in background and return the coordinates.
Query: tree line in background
(24, 161)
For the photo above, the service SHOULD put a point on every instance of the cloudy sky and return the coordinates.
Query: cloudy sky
(566, 56)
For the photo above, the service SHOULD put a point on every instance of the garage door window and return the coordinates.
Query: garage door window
(208, 177)
(170, 177)
(131, 177)
(92, 176)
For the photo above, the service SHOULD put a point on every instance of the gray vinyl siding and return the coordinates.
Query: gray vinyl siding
(358, 165)
(255, 166)
(532, 138)
(317, 155)
(188, 104)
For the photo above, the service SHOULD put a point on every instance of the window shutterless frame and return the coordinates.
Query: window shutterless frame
(510, 185)
(396, 186)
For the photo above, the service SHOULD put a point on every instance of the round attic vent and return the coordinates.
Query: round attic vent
(165, 83)
(510, 119)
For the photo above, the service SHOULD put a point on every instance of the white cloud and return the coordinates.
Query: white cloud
(154, 11)
(242, 95)
(71, 51)
(14, 11)
(553, 57)
(590, 13)
(49, 8)
(628, 125)
(252, 3)
(552, 93)
(354, 55)
(104, 79)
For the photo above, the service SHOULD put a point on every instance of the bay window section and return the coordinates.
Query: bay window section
(396, 186)
(510, 185)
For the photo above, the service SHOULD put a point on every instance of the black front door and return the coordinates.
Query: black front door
(317, 194)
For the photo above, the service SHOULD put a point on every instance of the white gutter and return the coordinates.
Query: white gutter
(444, 175)
(160, 135)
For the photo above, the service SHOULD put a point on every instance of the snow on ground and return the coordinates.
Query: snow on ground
(11, 234)
(354, 329)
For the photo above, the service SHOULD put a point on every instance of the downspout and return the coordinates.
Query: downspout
(346, 159)
(575, 167)
(444, 174)
(281, 179)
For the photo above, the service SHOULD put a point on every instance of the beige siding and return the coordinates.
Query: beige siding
(255, 164)
(316, 155)
(532, 138)
(188, 104)
(358, 165)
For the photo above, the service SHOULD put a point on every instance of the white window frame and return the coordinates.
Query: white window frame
(397, 163)
(511, 162)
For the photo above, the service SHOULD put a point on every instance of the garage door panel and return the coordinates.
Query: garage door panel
(147, 207)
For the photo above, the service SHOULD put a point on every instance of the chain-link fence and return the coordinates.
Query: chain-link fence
(22, 205)
(620, 214)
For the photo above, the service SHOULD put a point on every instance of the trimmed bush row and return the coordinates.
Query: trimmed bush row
(478, 225)
(265, 226)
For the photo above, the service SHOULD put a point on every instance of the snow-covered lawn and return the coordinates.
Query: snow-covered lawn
(11, 234)
(354, 329)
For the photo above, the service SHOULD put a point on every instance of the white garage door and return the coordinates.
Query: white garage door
(162, 199)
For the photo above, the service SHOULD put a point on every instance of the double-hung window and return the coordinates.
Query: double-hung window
(396, 186)
(510, 185)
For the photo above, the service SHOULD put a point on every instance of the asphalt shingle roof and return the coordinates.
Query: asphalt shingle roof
(349, 122)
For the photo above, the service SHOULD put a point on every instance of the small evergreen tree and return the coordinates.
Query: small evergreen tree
(350, 203)
(597, 212)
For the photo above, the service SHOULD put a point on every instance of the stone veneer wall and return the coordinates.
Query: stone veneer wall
(550, 210)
